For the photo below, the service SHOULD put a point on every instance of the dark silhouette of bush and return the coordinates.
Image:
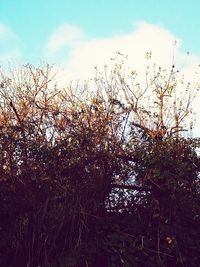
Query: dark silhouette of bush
(87, 180)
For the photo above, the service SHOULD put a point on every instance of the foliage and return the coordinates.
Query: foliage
(96, 178)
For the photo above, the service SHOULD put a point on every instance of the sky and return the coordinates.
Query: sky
(29, 25)
(78, 35)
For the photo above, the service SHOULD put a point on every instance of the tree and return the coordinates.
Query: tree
(96, 177)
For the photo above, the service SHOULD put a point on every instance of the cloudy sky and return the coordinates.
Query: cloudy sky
(64, 31)
(78, 35)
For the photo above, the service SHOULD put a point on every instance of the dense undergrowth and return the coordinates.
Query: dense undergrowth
(94, 179)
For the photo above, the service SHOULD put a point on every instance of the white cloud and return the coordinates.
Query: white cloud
(12, 55)
(144, 38)
(64, 35)
(80, 55)
(83, 55)
(10, 45)
(6, 33)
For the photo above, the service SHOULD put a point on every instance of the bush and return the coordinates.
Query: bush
(86, 182)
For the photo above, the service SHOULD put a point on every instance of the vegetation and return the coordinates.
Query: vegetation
(99, 177)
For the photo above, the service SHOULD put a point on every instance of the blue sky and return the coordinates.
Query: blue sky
(34, 21)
